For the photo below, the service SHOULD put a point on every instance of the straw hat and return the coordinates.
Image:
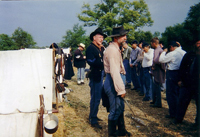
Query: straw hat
(82, 45)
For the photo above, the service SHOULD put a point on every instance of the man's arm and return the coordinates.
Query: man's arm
(165, 58)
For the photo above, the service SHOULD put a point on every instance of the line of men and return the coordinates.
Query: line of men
(145, 68)
(150, 66)
(151, 74)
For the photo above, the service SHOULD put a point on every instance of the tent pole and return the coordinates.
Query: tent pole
(41, 115)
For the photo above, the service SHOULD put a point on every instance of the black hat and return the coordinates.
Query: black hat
(134, 42)
(119, 31)
(97, 31)
(53, 45)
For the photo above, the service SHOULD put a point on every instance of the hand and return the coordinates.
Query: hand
(84, 57)
(131, 65)
(123, 95)
(180, 83)
(152, 68)
(178, 43)
(142, 52)
(136, 65)
(165, 50)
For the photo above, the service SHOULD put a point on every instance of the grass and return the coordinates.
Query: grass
(73, 117)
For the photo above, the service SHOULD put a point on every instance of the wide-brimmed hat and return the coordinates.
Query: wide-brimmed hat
(53, 45)
(119, 31)
(97, 31)
(82, 45)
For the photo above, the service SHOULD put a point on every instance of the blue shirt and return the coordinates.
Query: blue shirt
(133, 56)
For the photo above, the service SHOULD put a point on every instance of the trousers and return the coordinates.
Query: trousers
(115, 101)
(141, 75)
(172, 91)
(80, 74)
(135, 78)
(95, 93)
(185, 96)
(147, 82)
(156, 93)
(128, 70)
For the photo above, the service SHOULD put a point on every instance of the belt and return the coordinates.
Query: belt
(133, 60)
(172, 70)
(120, 73)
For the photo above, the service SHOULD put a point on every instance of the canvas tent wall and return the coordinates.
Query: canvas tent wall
(24, 75)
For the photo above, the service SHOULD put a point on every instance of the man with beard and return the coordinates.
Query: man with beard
(94, 57)
(189, 74)
(114, 84)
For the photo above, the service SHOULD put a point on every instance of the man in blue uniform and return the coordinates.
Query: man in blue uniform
(94, 57)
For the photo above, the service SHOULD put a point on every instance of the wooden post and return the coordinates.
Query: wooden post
(56, 99)
(41, 115)
(55, 77)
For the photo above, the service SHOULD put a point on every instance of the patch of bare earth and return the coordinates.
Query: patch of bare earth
(73, 116)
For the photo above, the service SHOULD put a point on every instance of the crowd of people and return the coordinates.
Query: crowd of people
(150, 68)
(142, 67)
(147, 67)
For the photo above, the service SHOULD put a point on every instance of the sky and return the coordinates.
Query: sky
(48, 20)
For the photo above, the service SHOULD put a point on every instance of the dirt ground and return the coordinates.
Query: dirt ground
(73, 116)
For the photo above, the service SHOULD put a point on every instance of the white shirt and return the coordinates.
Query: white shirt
(173, 58)
(148, 58)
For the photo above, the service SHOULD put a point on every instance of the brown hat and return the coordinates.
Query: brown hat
(119, 31)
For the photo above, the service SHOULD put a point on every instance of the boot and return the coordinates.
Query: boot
(121, 127)
(112, 128)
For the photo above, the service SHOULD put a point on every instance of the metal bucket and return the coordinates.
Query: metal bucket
(50, 123)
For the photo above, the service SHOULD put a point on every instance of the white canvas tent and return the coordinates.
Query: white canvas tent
(24, 75)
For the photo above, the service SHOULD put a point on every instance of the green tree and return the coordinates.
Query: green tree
(6, 43)
(23, 39)
(175, 32)
(187, 32)
(143, 35)
(156, 34)
(74, 37)
(192, 24)
(112, 13)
